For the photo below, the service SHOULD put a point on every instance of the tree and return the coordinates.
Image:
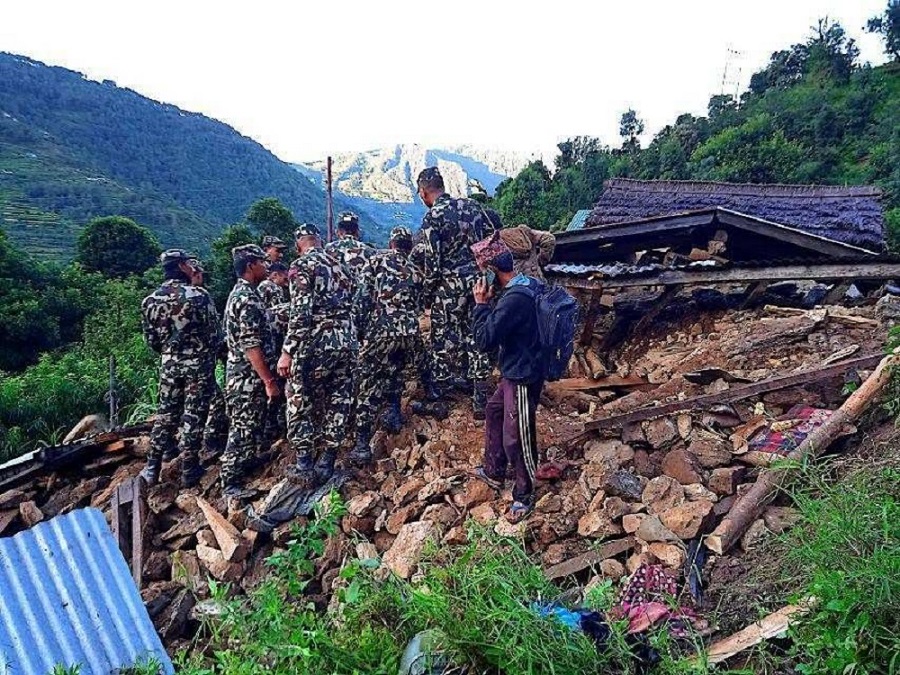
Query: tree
(270, 216)
(630, 128)
(831, 52)
(117, 247)
(219, 266)
(574, 151)
(888, 27)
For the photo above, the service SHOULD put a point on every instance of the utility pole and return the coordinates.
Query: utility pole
(329, 200)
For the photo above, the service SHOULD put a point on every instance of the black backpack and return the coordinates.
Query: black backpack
(557, 317)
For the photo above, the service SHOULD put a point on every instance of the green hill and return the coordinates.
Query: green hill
(72, 149)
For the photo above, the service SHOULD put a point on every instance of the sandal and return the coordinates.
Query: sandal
(519, 511)
(480, 474)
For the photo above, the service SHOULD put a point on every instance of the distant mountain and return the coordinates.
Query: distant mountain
(382, 182)
(72, 149)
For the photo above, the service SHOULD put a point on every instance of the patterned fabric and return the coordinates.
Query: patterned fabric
(319, 402)
(245, 397)
(453, 349)
(322, 342)
(382, 362)
(449, 228)
(388, 298)
(180, 322)
(321, 310)
(351, 251)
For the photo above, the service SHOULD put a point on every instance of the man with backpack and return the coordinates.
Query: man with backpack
(532, 326)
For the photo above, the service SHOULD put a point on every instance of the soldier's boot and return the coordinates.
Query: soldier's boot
(393, 418)
(461, 384)
(324, 467)
(361, 453)
(150, 473)
(479, 398)
(433, 404)
(191, 472)
(302, 470)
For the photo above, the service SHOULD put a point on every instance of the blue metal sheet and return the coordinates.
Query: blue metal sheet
(67, 597)
(578, 220)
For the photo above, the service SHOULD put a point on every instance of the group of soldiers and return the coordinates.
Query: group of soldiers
(316, 350)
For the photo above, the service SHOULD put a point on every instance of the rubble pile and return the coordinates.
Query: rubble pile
(626, 494)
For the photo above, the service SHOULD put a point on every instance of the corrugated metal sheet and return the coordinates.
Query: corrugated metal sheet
(67, 597)
(578, 220)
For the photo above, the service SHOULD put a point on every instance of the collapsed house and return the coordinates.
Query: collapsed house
(721, 328)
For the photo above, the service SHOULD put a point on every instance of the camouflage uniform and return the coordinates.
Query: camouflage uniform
(275, 300)
(352, 252)
(180, 323)
(388, 301)
(245, 394)
(448, 229)
(322, 343)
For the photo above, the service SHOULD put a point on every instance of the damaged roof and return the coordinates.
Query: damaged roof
(749, 238)
(852, 215)
(67, 598)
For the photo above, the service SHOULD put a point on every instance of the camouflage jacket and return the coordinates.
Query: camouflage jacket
(449, 228)
(352, 252)
(275, 299)
(321, 311)
(245, 324)
(389, 296)
(180, 321)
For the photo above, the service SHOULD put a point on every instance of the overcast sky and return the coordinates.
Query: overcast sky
(309, 78)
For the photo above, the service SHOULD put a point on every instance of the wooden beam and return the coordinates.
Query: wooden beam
(812, 272)
(770, 626)
(735, 394)
(585, 560)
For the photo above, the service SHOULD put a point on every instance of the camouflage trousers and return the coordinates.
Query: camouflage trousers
(320, 401)
(245, 402)
(184, 390)
(275, 420)
(383, 360)
(216, 430)
(453, 352)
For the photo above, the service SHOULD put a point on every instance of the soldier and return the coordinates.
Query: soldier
(273, 292)
(248, 380)
(347, 247)
(448, 229)
(274, 248)
(180, 323)
(215, 429)
(319, 350)
(388, 303)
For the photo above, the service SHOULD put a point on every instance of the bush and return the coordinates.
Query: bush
(44, 401)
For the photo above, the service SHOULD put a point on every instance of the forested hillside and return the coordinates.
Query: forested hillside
(813, 115)
(72, 149)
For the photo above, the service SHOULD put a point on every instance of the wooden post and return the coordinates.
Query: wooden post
(128, 524)
(329, 200)
(113, 401)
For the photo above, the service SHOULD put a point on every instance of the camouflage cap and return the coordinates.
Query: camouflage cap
(247, 252)
(401, 234)
(348, 219)
(277, 267)
(489, 249)
(269, 241)
(174, 255)
(196, 264)
(429, 174)
(307, 230)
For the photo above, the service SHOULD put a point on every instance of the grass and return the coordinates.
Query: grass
(847, 551)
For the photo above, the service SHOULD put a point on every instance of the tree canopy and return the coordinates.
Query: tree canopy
(117, 247)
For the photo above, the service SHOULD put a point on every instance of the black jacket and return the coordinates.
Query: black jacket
(511, 326)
